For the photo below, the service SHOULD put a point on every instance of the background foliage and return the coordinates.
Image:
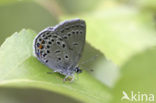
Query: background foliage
(121, 33)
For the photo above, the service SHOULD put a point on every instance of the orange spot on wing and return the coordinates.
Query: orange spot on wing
(40, 46)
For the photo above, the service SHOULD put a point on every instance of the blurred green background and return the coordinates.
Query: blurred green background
(122, 33)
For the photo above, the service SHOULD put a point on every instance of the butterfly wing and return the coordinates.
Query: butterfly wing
(60, 47)
(51, 50)
(73, 32)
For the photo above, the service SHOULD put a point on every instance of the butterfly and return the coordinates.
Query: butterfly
(60, 47)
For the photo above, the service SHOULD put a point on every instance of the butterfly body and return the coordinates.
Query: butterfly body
(60, 47)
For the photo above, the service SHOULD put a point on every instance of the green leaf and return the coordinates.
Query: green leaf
(29, 95)
(19, 68)
(81, 5)
(138, 75)
(120, 33)
(4, 2)
(143, 4)
(99, 66)
(20, 15)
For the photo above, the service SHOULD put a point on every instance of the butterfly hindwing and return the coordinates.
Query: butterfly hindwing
(60, 47)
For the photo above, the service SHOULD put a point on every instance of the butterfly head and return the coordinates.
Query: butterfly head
(78, 70)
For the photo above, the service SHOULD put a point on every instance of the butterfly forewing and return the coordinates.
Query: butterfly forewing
(73, 32)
